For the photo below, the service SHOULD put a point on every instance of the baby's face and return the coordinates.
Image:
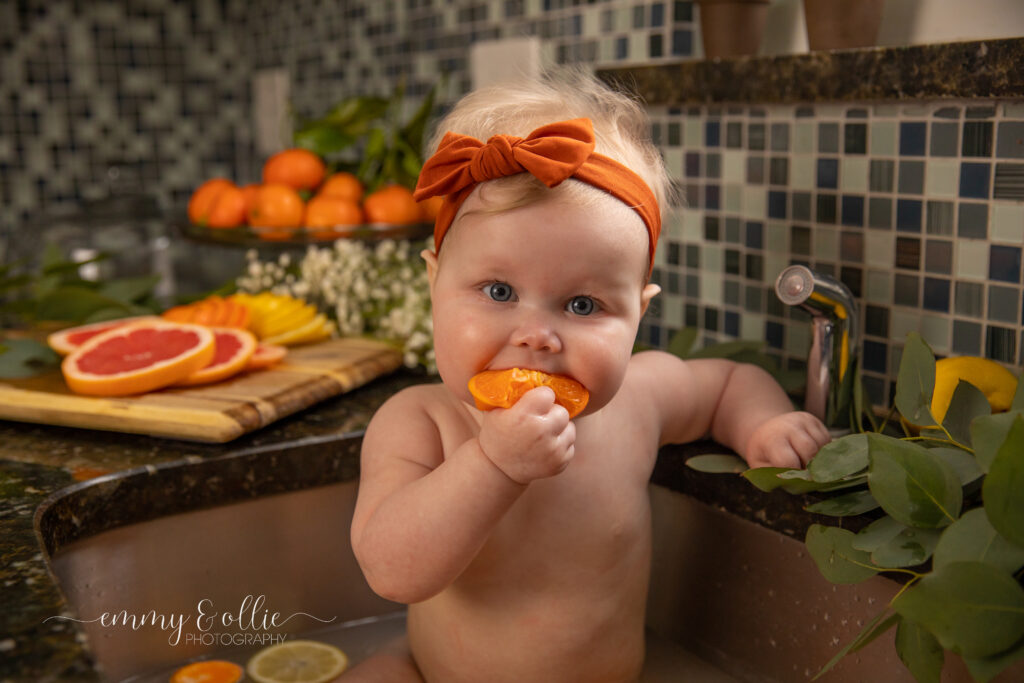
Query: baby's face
(551, 286)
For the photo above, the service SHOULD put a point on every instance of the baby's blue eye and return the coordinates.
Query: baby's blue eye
(582, 305)
(499, 291)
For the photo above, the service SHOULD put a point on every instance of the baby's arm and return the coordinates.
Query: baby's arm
(422, 515)
(737, 404)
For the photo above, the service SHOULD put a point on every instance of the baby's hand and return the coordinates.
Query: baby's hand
(531, 440)
(787, 440)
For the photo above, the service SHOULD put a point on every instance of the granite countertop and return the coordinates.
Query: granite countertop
(78, 477)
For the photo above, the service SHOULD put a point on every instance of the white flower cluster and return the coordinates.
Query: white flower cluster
(380, 291)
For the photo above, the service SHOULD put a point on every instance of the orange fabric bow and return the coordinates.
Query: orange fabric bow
(551, 153)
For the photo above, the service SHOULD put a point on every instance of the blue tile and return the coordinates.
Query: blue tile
(773, 334)
(875, 354)
(853, 210)
(908, 215)
(682, 43)
(622, 47)
(732, 323)
(657, 15)
(936, 295)
(692, 164)
(1004, 263)
(828, 173)
(755, 235)
(776, 204)
(912, 138)
(711, 197)
(712, 133)
(974, 180)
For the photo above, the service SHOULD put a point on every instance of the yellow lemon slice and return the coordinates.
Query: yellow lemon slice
(996, 382)
(297, 661)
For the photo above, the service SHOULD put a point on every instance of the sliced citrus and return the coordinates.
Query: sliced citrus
(67, 340)
(316, 329)
(297, 661)
(265, 356)
(502, 388)
(139, 357)
(233, 349)
(210, 671)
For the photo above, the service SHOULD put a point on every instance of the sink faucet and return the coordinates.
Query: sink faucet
(831, 366)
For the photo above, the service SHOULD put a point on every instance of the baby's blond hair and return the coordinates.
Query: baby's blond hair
(621, 130)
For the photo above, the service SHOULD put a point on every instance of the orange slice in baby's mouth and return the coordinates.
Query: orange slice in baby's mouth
(502, 388)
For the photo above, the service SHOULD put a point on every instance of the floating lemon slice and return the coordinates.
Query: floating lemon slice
(297, 661)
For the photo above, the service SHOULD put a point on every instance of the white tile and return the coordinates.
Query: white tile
(1007, 222)
(971, 259)
(878, 248)
(853, 174)
(801, 173)
(941, 178)
(734, 166)
(755, 202)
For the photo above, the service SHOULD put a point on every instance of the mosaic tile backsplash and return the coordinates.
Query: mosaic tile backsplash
(918, 208)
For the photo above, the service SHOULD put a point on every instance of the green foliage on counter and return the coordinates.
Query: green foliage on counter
(949, 517)
(364, 135)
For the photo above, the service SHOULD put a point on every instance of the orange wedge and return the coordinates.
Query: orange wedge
(502, 388)
(210, 671)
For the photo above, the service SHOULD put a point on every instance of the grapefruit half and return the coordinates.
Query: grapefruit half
(233, 349)
(67, 340)
(138, 357)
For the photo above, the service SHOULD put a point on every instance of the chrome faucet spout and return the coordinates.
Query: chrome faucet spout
(832, 361)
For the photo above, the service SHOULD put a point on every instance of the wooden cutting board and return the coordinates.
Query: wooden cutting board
(213, 413)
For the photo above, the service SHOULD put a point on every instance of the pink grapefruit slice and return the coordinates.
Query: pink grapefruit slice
(138, 357)
(233, 349)
(67, 340)
(266, 355)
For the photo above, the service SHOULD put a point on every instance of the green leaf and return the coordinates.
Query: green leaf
(914, 487)
(972, 539)
(877, 533)
(972, 608)
(963, 463)
(73, 304)
(920, 652)
(967, 403)
(767, 479)
(915, 381)
(869, 633)
(130, 290)
(727, 349)
(853, 503)
(1002, 489)
(682, 342)
(909, 548)
(988, 434)
(717, 463)
(1018, 397)
(985, 669)
(840, 458)
(25, 358)
(837, 559)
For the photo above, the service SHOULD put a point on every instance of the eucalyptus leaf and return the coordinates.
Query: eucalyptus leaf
(912, 486)
(840, 458)
(988, 434)
(25, 358)
(74, 304)
(963, 463)
(838, 561)
(972, 608)
(967, 403)
(877, 533)
(920, 652)
(715, 463)
(973, 539)
(767, 479)
(909, 548)
(915, 381)
(130, 290)
(1018, 397)
(869, 633)
(846, 505)
(727, 349)
(682, 342)
(322, 139)
(985, 669)
(1002, 489)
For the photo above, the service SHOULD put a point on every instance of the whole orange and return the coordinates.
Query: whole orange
(217, 203)
(250, 193)
(277, 206)
(392, 204)
(343, 185)
(328, 213)
(299, 169)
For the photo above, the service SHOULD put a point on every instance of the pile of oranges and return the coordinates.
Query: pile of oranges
(277, 207)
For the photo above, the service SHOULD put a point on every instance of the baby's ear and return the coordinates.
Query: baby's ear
(650, 291)
(431, 260)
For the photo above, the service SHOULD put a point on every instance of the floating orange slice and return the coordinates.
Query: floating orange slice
(502, 388)
(233, 349)
(210, 671)
(67, 340)
(136, 358)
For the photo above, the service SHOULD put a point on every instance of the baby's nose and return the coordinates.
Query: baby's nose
(536, 334)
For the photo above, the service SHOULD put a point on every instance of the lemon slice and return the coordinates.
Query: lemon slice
(297, 661)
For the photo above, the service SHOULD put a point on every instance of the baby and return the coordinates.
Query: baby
(520, 539)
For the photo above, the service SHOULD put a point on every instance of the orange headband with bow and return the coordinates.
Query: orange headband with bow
(551, 153)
